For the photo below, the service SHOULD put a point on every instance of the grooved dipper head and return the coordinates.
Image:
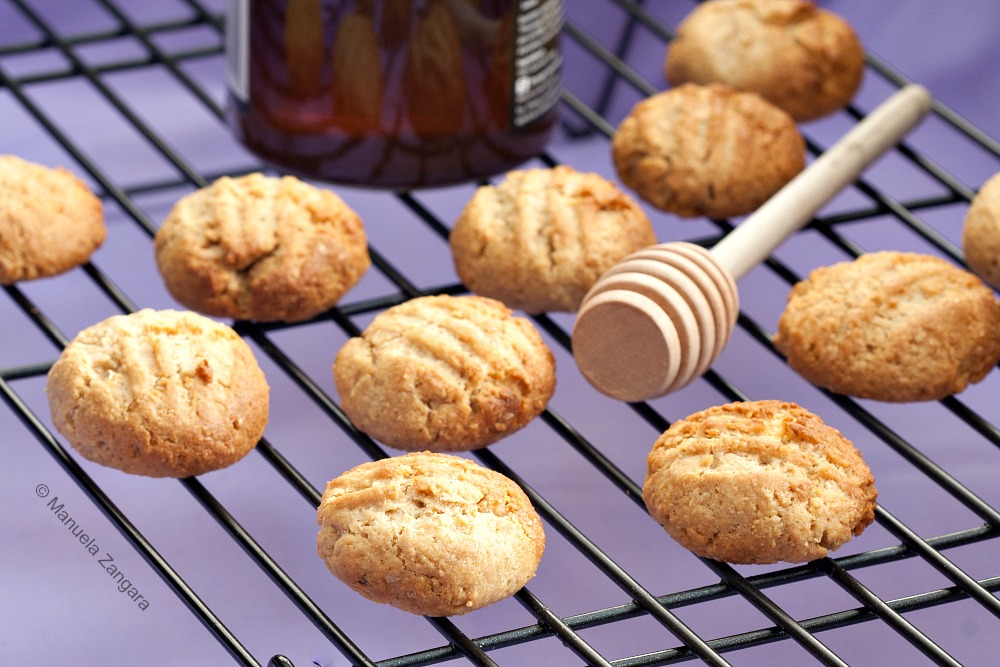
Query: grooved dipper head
(655, 321)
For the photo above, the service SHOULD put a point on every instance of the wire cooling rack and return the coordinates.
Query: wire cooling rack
(130, 96)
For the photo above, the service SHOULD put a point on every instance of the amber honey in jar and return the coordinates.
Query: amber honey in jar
(394, 93)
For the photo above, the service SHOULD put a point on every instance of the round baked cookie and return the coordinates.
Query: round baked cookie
(802, 58)
(758, 482)
(981, 232)
(540, 239)
(50, 222)
(431, 534)
(707, 150)
(444, 373)
(891, 326)
(261, 248)
(159, 393)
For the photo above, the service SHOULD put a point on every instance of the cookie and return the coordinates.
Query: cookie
(261, 248)
(541, 238)
(802, 58)
(707, 150)
(431, 534)
(891, 326)
(159, 393)
(444, 373)
(981, 232)
(50, 222)
(757, 483)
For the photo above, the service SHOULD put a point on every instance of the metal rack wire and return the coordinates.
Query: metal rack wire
(590, 120)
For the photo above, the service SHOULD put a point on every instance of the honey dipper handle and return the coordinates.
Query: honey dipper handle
(794, 205)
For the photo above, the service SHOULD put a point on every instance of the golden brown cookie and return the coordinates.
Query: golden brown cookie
(981, 232)
(802, 58)
(707, 150)
(159, 393)
(431, 534)
(758, 482)
(261, 248)
(50, 222)
(542, 237)
(444, 373)
(891, 326)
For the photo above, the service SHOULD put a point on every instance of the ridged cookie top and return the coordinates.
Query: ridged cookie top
(891, 326)
(707, 150)
(50, 222)
(758, 482)
(159, 393)
(542, 237)
(444, 373)
(262, 248)
(431, 534)
(802, 58)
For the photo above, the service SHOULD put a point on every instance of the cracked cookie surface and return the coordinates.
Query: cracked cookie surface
(802, 58)
(432, 534)
(981, 232)
(444, 373)
(891, 326)
(261, 248)
(50, 222)
(758, 482)
(707, 150)
(540, 239)
(159, 393)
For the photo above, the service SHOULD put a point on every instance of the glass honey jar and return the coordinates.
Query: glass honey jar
(394, 93)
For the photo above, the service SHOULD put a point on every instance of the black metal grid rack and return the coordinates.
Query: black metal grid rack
(920, 583)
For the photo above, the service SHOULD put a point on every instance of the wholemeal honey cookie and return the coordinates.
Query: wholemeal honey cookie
(981, 232)
(162, 393)
(891, 326)
(707, 150)
(802, 58)
(261, 248)
(757, 483)
(432, 534)
(50, 222)
(444, 373)
(541, 238)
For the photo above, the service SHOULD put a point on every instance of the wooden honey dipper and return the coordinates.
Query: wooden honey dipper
(662, 315)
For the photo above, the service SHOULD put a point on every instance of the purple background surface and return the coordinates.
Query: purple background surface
(58, 606)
